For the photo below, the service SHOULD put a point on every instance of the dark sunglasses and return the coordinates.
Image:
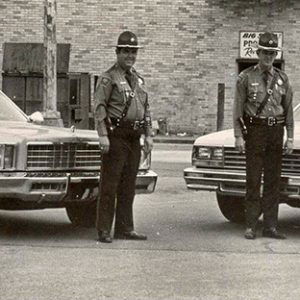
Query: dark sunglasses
(269, 52)
(129, 50)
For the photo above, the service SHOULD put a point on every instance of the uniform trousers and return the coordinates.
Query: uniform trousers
(119, 170)
(263, 158)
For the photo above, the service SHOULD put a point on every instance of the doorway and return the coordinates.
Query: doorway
(243, 64)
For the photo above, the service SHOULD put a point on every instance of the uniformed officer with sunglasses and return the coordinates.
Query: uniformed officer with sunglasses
(122, 116)
(262, 108)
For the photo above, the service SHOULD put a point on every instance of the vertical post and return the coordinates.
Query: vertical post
(220, 111)
(51, 115)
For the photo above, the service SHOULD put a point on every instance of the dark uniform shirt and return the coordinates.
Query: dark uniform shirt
(113, 91)
(251, 90)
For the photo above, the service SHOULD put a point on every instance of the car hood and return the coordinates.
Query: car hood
(220, 138)
(17, 132)
(226, 138)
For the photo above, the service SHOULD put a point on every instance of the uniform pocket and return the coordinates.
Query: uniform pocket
(255, 92)
(121, 91)
(279, 92)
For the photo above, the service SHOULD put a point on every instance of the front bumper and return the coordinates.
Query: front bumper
(56, 189)
(146, 182)
(43, 189)
(233, 182)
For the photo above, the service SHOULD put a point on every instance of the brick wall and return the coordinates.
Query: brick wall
(189, 45)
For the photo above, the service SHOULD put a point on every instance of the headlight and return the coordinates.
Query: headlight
(145, 161)
(6, 156)
(207, 156)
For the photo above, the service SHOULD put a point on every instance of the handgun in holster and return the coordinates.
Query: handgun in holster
(109, 124)
(243, 127)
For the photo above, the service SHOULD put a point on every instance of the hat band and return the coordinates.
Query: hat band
(128, 46)
(269, 48)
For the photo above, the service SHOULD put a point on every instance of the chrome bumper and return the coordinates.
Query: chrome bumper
(42, 189)
(233, 182)
(56, 189)
(146, 182)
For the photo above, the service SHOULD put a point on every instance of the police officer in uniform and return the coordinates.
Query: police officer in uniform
(122, 116)
(262, 108)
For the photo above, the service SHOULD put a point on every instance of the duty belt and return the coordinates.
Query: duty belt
(135, 125)
(267, 121)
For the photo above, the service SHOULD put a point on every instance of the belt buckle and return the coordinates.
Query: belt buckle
(271, 121)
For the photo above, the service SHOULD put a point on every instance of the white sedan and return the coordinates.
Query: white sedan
(217, 166)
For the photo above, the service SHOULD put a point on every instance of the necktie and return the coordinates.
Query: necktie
(129, 78)
(266, 76)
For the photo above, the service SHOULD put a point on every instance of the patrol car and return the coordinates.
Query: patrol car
(217, 166)
(52, 167)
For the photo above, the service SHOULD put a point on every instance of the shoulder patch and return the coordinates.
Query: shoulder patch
(104, 81)
(242, 76)
(249, 70)
(141, 81)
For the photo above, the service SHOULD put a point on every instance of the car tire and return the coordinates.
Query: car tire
(82, 215)
(232, 208)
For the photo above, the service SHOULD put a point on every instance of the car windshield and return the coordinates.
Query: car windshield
(10, 111)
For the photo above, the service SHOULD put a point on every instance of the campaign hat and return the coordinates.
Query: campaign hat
(268, 41)
(127, 39)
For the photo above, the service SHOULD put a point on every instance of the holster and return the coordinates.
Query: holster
(243, 127)
(109, 126)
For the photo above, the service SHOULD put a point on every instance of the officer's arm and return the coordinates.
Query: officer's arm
(288, 109)
(147, 119)
(148, 128)
(101, 97)
(238, 111)
(147, 112)
(287, 104)
(239, 101)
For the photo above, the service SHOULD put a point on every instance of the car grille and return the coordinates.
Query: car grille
(73, 174)
(235, 160)
(60, 156)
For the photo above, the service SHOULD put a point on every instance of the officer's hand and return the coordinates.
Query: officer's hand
(148, 144)
(288, 146)
(239, 144)
(104, 143)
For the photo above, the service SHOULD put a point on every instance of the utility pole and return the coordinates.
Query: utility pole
(51, 115)
(221, 102)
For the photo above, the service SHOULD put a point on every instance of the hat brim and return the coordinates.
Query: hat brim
(269, 48)
(128, 46)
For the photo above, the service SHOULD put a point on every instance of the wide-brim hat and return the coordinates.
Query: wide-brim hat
(268, 41)
(128, 39)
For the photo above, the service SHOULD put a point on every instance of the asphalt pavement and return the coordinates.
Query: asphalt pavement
(191, 253)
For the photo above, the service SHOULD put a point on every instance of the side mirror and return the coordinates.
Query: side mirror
(36, 117)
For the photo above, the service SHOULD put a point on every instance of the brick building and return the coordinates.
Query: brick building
(191, 55)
